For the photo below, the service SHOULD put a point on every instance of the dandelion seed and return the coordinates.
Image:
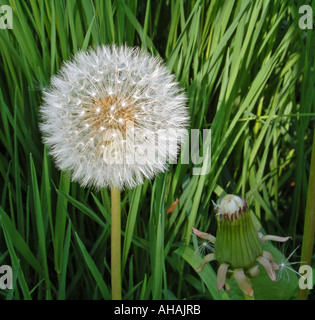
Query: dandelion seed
(214, 204)
(286, 266)
(204, 247)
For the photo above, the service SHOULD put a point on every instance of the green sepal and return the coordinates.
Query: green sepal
(237, 242)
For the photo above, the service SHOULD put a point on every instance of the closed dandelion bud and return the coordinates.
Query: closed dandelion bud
(238, 247)
(237, 243)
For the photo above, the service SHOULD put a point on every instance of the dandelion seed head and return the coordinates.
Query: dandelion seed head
(95, 115)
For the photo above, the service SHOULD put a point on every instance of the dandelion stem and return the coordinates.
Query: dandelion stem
(115, 244)
(309, 221)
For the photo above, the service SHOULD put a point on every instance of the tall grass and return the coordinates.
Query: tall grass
(249, 73)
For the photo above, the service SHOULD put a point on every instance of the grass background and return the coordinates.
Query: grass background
(248, 70)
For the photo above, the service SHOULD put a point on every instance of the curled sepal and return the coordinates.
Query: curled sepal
(209, 257)
(221, 276)
(268, 267)
(203, 235)
(253, 271)
(243, 282)
(270, 258)
(274, 238)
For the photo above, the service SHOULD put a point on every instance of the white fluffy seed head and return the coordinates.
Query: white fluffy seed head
(104, 113)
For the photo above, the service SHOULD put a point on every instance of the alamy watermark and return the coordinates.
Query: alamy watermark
(306, 279)
(6, 17)
(194, 148)
(306, 20)
(6, 276)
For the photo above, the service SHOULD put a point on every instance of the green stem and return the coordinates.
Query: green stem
(309, 221)
(115, 244)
